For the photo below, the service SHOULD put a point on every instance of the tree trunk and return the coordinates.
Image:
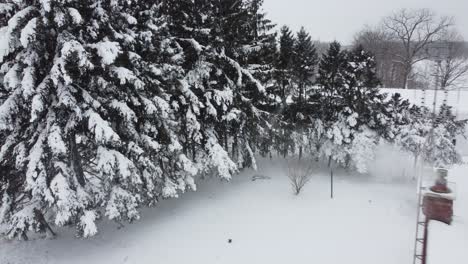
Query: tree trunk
(194, 152)
(285, 146)
(226, 144)
(185, 143)
(285, 150)
(75, 160)
(283, 94)
(41, 219)
(392, 75)
(406, 75)
(415, 170)
(234, 147)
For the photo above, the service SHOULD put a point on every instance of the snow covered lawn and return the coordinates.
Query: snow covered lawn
(448, 244)
(368, 222)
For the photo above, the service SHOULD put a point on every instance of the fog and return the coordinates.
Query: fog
(392, 165)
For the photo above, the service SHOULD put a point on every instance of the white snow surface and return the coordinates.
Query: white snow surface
(448, 244)
(3, 42)
(369, 221)
(107, 50)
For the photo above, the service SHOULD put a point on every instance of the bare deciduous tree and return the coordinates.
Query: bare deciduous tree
(380, 43)
(299, 174)
(415, 30)
(454, 67)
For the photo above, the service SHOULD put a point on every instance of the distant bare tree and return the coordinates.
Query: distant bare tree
(380, 43)
(454, 67)
(415, 30)
(299, 174)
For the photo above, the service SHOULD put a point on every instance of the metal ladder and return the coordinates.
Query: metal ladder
(419, 255)
(420, 243)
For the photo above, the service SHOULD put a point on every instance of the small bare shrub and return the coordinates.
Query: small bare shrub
(299, 174)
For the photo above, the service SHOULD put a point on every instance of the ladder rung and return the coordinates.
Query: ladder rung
(418, 256)
(422, 223)
(420, 240)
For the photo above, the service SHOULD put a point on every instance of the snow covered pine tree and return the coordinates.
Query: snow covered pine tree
(112, 105)
(221, 95)
(86, 126)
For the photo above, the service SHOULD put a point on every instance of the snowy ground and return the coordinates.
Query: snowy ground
(448, 244)
(369, 221)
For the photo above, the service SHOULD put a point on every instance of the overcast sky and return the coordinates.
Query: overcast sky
(329, 20)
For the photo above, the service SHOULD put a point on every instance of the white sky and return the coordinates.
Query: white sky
(329, 20)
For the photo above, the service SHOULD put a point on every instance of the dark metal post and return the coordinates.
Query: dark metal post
(426, 234)
(331, 184)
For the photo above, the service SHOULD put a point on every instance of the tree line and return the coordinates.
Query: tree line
(109, 106)
(409, 37)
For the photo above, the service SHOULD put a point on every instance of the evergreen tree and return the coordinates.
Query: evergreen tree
(360, 92)
(227, 90)
(260, 55)
(262, 51)
(86, 123)
(304, 63)
(397, 114)
(108, 106)
(282, 89)
(284, 63)
(353, 105)
(363, 69)
(232, 27)
(332, 72)
(442, 144)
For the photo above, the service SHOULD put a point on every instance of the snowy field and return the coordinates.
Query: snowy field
(371, 220)
(448, 244)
